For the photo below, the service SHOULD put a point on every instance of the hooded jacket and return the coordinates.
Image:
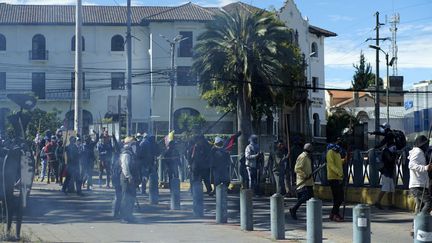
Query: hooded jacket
(417, 166)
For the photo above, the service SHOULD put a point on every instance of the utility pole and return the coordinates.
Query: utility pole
(129, 69)
(172, 43)
(78, 119)
(377, 94)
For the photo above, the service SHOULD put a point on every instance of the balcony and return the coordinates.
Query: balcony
(50, 94)
(38, 55)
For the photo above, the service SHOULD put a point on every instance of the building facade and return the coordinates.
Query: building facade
(37, 51)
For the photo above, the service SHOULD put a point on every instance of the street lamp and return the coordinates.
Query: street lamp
(387, 88)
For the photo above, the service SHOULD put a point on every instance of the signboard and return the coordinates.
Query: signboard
(408, 104)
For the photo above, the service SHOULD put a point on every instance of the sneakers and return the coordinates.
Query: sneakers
(293, 214)
(336, 218)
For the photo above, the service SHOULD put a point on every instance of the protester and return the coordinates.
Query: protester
(419, 180)
(129, 179)
(72, 167)
(200, 163)
(59, 153)
(49, 150)
(116, 174)
(278, 161)
(147, 152)
(253, 155)
(335, 175)
(88, 159)
(220, 163)
(171, 158)
(303, 170)
(105, 150)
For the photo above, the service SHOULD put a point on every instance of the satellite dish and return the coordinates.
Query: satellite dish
(25, 101)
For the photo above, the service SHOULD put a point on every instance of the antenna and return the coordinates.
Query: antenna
(394, 21)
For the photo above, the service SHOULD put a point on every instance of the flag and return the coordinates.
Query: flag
(229, 143)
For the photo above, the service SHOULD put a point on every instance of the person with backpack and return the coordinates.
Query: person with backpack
(221, 163)
(72, 167)
(115, 177)
(199, 162)
(253, 156)
(388, 157)
(105, 150)
(129, 179)
(88, 158)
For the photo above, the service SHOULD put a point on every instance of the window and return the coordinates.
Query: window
(38, 85)
(186, 45)
(314, 84)
(73, 81)
(38, 48)
(2, 43)
(314, 50)
(296, 38)
(185, 77)
(117, 81)
(316, 126)
(117, 43)
(2, 81)
(82, 43)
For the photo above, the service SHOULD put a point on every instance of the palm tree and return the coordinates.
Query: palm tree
(242, 55)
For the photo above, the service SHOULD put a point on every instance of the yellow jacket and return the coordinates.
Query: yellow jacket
(334, 165)
(303, 169)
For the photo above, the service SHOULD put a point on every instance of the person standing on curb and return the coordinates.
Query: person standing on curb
(252, 155)
(335, 176)
(278, 161)
(419, 180)
(303, 170)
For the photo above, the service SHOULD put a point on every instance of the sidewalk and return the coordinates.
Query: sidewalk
(55, 217)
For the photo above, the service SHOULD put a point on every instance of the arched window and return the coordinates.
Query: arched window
(38, 47)
(2, 43)
(82, 43)
(314, 50)
(117, 43)
(316, 126)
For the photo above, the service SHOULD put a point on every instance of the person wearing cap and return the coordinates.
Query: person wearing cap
(335, 161)
(304, 180)
(220, 163)
(72, 167)
(128, 179)
(277, 161)
(419, 180)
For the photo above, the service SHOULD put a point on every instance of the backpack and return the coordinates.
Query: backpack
(400, 139)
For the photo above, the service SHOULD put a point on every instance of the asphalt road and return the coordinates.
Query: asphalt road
(55, 217)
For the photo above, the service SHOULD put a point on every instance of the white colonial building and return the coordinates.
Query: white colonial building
(37, 55)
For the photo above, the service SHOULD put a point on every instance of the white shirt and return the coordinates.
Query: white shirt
(417, 166)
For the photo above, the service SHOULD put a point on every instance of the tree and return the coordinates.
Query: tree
(244, 54)
(337, 122)
(363, 76)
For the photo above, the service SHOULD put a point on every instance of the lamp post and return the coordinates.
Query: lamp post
(388, 77)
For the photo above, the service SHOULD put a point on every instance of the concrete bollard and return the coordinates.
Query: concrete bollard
(175, 193)
(373, 168)
(153, 188)
(361, 224)
(314, 220)
(221, 204)
(246, 209)
(198, 199)
(277, 217)
(422, 228)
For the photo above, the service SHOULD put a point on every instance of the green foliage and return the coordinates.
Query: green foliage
(337, 122)
(363, 76)
(40, 121)
(190, 125)
(245, 54)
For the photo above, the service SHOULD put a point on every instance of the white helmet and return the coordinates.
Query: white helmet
(385, 125)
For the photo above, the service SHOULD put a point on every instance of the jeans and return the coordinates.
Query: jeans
(253, 179)
(43, 169)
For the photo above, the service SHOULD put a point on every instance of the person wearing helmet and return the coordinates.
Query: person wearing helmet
(253, 155)
(388, 158)
(419, 180)
(303, 170)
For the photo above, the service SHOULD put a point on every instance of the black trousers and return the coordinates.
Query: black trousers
(253, 179)
(72, 175)
(303, 195)
(204, 175)
(336, 187)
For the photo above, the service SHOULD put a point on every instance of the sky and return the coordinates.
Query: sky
(353, 21)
